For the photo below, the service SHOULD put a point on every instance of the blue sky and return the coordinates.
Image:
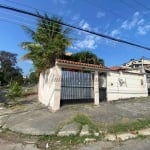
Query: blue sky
(124, 19)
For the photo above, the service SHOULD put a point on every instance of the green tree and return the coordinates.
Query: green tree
(33, 78)
(8, 68)
(87, 57)
(49, 41)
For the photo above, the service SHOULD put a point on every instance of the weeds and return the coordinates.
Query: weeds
(85, 120)
(130, 126)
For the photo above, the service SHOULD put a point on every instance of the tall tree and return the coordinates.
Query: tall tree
(49, 41)
(8, 68)
(87, 57)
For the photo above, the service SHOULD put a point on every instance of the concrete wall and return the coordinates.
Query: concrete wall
(125, 85)
(50, 87)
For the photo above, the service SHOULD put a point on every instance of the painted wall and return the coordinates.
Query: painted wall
(49, 88)
(125, 85)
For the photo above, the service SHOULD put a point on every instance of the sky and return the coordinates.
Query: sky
(123, 19)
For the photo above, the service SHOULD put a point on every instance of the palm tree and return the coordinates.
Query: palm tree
(49, 41)
(87, 57)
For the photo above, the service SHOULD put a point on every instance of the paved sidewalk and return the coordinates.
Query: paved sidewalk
(136, 144)
(34, 118)
(5, 145)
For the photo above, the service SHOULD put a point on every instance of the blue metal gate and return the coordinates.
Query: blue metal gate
(76, 87)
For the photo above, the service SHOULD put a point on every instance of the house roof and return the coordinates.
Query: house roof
(117, 68)
(79, 64)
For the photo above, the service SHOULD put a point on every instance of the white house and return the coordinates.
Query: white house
(75, 82)
(142, 64)
(123, 84)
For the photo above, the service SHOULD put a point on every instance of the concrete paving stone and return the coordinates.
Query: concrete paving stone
(135, 144)
(3, 119)
(17, 146)
(100, 145)
(5, 111)
(85, 131)
(89, 140)
(96, 133)
(126, 136)
(69, 129)
(30, 142)
(110, 137)
(122, 136)
(37, 122)
(145, 132)
(34, 123)
(4, 126)
(1, 108)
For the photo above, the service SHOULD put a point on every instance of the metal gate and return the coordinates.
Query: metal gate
(76, 87)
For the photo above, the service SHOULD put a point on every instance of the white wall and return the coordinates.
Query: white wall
(50, 87)
(125, 85)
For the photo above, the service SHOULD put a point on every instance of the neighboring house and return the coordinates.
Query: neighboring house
(75, 82)
(140, 65)
(122, 84)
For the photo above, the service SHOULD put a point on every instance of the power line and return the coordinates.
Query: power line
(19, 23)
(113, 13)
(74, 27)
(23, 19)
(90, 4)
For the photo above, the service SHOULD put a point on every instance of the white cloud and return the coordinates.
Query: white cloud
(137, 23)
(136, 14)
(100, 14)
(140, 22)
(115, 33)
(130, 24)
(89, 42)
(76, 17)
(84, 25)
(142, 30)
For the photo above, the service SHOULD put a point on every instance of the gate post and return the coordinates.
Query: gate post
(57, 90)
(96, 88)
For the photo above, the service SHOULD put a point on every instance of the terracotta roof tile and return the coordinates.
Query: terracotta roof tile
(117, 68)
(80, 63)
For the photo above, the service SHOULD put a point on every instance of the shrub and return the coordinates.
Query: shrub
(15, 90)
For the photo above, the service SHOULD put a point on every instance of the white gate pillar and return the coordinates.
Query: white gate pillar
(96, 88)
(55, 106)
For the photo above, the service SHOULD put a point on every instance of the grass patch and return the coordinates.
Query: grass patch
(130, 126)
(141, 136)
(61, 143)
(85, 120)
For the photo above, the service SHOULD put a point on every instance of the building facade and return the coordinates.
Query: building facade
(142, 65)
(74, 82)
